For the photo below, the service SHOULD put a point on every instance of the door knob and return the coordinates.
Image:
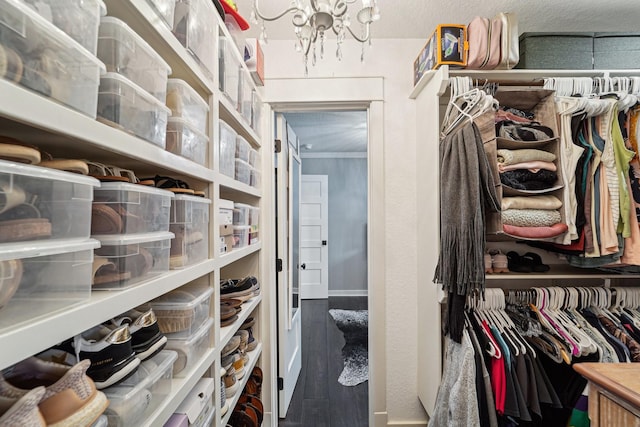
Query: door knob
(303, 266)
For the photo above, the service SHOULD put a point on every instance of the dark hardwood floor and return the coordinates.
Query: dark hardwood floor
(319, 400)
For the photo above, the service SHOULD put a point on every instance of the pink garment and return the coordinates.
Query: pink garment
(502, 115)
(535, 232)
(534, 166)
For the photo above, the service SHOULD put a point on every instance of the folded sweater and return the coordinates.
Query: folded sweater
(509, 157)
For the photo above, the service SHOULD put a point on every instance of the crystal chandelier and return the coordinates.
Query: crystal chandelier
(313, 18)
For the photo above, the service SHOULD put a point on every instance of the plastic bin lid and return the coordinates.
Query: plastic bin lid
(45, 29)
(242, 205)
(187, 341)
(20, 250)
(132, 239)
(110, 20)
(141, 92)
(194, 199)
(179, 120)
(8, 167)
(241, 227)
(225, 204)
(183, 298)
(137, 188)
(192, 91)
(147, 374)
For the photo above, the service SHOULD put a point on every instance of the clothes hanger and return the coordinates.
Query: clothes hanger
(494, 349)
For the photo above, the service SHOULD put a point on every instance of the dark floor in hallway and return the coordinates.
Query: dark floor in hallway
(319, 400)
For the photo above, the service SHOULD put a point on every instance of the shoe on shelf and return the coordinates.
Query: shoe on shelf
(70, 397)
(242, 289)
(146, 338)
(22, 411)
(224, 403)
(231, 346)
(110, 352)
(252, 343)
(231, 383)
(487, 264)
(244, 339)
(499, 262)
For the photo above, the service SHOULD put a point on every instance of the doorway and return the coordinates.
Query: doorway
(332, 146)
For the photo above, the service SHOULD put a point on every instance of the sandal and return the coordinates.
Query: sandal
(16, 151)
(106, 272)
(172, 184)
(106, 173)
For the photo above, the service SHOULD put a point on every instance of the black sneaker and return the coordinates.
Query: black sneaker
(146, 338)
(233, 288)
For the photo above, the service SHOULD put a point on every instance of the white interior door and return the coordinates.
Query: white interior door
(288, 232)
(314, 231)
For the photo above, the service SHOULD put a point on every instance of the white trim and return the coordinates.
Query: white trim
(407, 423)
(345, 155)
(323, 90)
(349, 293)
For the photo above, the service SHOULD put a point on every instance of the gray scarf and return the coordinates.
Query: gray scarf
(466, 187)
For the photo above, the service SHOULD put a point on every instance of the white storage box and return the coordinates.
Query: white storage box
(125, 52)
(241, 213)
(198, 405)
(194, 26)
(127, 259)
(165, 9)
(41, 203)
(227, 149)
(78, 18)
(44, 59)
(254, 158)
(183, 311)
(41, 278)
(123, 104)
(241, 236)
(190, 349)
(185, 140)
(190, 224)
(255, 177)
(243, 172)
(225, 211)
(242, 148)
(124, 208)
(185, 102)
(132, 401)
(229, 68)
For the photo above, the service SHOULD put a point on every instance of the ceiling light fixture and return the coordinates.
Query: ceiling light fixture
(313, 18)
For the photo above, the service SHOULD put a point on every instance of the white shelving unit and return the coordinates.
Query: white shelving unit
(430, 94)
(63, 132)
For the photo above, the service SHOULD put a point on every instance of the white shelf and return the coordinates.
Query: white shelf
(226, 332)
(51, 329)
(143, 19)
(71, 134)
(180, 388)
(253, 358)
(237, 254)
(232, 116)
(231, 184)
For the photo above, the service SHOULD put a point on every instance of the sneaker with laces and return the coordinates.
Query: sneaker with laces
(70, 397)
(231, 383)
(110, 352)
(146, 338)
(22, 411)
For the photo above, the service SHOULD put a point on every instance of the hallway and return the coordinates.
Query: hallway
(318, 399)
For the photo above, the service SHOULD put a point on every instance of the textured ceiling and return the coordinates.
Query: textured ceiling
(330, 131)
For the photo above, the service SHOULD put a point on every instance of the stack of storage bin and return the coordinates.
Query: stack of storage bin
(243, 170)
(229, 70)
(225, 218)
(194, 26)
(41, 57)
(227, 150)
(189, 223)
(133, 92)
(245, 225)
(131, 221)
(46, 255)
(255, 177)
(187, 126)
(165, 10)
(183, 317)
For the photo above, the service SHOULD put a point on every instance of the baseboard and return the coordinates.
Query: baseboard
(349, 293)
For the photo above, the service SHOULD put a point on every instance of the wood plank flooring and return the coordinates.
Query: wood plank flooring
(319, 399)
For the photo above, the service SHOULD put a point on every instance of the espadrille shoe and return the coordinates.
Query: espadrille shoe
(70, 398)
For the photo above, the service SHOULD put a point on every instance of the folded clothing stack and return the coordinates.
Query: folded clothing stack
(527, 169)
(534, 217)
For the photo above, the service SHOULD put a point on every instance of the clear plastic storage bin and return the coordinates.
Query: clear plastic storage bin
(245, 96)
(227, 150)
(127, 259)
(241, 213)
(254, 235)
(241, 236)
(194, 26)
(254, 158)
(242, 148)
(190, 224)
(39, 203)
(132, 401)
(185, 102)
(78, 18)
(243, 172)
(256, 112)
(43, 277)
(183, 311)
(165, 9)
(41, 57)
(229, 68)
(185, 140)
(124, 208)
(124, 52)
(190, 349)
(254, 216)
(255, 178)
(123, 104)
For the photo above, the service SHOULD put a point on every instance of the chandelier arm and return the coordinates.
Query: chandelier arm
(272, 18)
(366, 34)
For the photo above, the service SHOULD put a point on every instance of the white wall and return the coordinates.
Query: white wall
(392, 60)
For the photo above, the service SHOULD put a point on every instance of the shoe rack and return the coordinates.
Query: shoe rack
(66, 133)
